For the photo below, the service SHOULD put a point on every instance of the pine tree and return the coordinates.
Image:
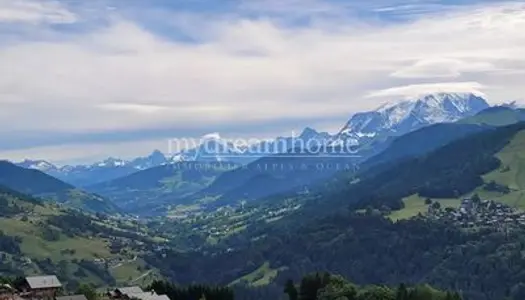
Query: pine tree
(291, 290)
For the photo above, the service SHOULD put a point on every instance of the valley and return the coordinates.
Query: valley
(392, 216)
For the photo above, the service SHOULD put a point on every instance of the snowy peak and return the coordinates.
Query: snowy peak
(40, 165)
(111, 162)
(156, 158)
(393, 119)
(312, 134)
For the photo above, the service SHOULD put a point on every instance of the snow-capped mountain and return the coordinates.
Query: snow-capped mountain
(108, 169)
(40, 165)
(394, 119)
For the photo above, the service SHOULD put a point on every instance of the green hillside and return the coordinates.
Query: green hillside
(41, 238)
(505, 184)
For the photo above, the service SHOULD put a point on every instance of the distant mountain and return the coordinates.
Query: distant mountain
(395, 119)
(40, 165)
(108, 169)
(213, 148)
(366, 134)
(36, 183)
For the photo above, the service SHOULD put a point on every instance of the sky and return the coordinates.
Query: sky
(84, 80)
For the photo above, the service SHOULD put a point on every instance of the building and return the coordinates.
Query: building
(41, 287)
(6, 292)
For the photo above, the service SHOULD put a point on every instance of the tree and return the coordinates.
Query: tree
(475, 199)
(87, 291)
(402, 292)
(428, 201)
(291, 290)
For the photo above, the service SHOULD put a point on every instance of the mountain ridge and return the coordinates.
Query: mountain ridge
(39, 184)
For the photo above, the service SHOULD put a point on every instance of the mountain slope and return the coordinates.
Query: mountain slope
(497, 116)
(39, 184)
(422, 141)
(451, 171)
(43, 238)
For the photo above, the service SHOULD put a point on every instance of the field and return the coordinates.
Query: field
(260, 277)
(415, 205)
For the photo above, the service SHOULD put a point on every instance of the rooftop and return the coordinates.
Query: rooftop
(130, 290)
(43, 282)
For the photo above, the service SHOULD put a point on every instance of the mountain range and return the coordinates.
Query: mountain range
(367, 133)
(281, 215)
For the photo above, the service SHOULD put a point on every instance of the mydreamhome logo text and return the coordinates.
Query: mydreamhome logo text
(213, 147)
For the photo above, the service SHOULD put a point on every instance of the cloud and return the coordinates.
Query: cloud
(442, 68)
(234, 69)
(132, 107)
(35, 12)
(417, 90)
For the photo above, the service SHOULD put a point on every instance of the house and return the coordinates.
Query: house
(6, 292)
(41, 287)
(72, 297)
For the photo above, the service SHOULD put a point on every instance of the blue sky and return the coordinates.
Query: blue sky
(82, 80)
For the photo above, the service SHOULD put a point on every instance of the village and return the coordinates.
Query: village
(49, 287)
(474, 212)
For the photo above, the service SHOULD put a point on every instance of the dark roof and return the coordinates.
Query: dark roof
(43, 282)
(72, 297)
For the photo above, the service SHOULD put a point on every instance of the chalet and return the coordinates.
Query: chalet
(6, 292)
(41, 287)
